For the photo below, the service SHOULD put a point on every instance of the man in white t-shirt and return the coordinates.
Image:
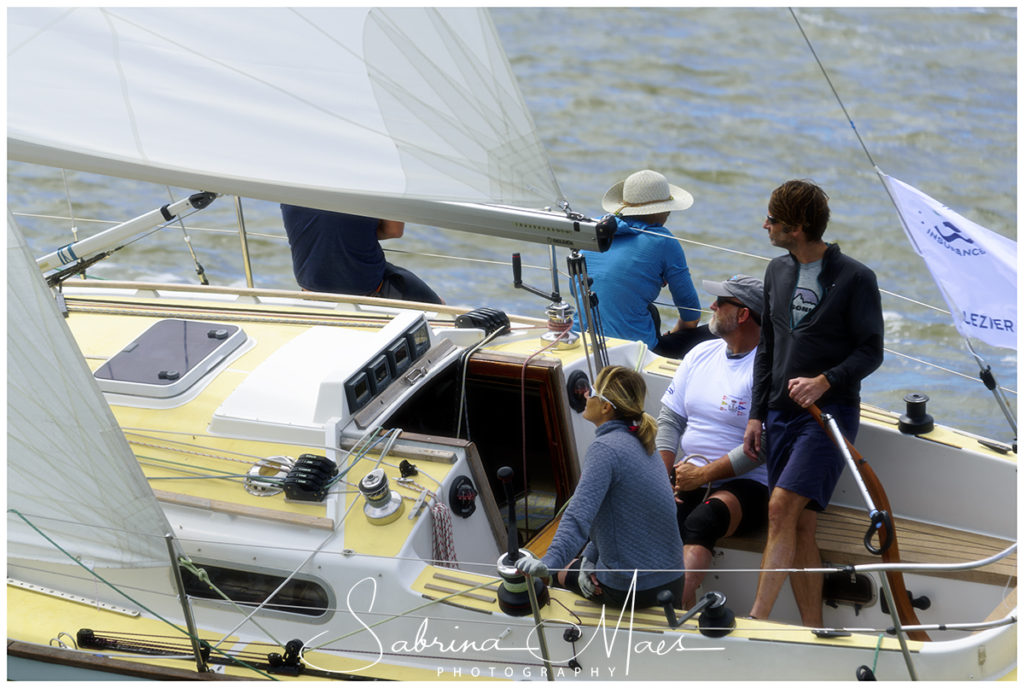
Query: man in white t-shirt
(703, 416)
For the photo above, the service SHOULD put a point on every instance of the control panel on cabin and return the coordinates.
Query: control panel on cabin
(388, 365)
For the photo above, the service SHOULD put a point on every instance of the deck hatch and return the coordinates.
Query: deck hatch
(168, 358)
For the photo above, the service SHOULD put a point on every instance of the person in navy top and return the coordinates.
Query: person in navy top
(341, 254)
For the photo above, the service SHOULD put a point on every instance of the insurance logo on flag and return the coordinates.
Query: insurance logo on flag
(975, 268)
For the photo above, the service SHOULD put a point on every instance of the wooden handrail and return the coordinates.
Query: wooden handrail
(891, 554)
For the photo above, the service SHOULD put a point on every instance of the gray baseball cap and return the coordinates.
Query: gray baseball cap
(746, 289)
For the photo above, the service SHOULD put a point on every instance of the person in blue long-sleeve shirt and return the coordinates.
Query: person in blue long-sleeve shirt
(644, 256)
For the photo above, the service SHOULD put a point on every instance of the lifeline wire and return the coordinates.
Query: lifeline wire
(494, 262)
(765, 258)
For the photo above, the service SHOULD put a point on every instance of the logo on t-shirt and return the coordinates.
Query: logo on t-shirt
(804, 301)
(734, 405)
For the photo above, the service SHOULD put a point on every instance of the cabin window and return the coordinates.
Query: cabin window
(250, 588)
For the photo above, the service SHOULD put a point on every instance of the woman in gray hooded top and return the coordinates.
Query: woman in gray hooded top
(622, 509)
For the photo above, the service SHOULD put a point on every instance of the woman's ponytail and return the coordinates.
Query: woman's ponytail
(627, 391)
(646, 431)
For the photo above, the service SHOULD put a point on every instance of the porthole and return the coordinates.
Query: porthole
(250, 588)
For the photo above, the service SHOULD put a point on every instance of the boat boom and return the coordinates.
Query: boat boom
(112, 238)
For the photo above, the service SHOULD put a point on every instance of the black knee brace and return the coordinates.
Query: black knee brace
(706, 524)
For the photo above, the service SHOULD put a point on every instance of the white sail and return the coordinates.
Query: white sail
(356, 110)
(70, 471)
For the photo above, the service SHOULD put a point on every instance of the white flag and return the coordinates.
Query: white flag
(975, 268)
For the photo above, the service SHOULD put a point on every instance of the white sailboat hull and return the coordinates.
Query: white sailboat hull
(381, 616)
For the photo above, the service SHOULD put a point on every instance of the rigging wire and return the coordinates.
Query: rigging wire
(504, 263)
(832, 86)
(411, 613)
(986, 372)
(522, 410)
(200, 573)
(893, 294)
(146, 234)
(305, 550)
(482, 261)
(188, 244)
(67, 197)
(463, 408)
(121, 592)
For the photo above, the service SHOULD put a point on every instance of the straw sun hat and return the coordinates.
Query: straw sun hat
(645, 193)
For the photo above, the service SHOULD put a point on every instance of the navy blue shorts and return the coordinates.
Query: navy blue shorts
(801, 457)
(404, 285)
